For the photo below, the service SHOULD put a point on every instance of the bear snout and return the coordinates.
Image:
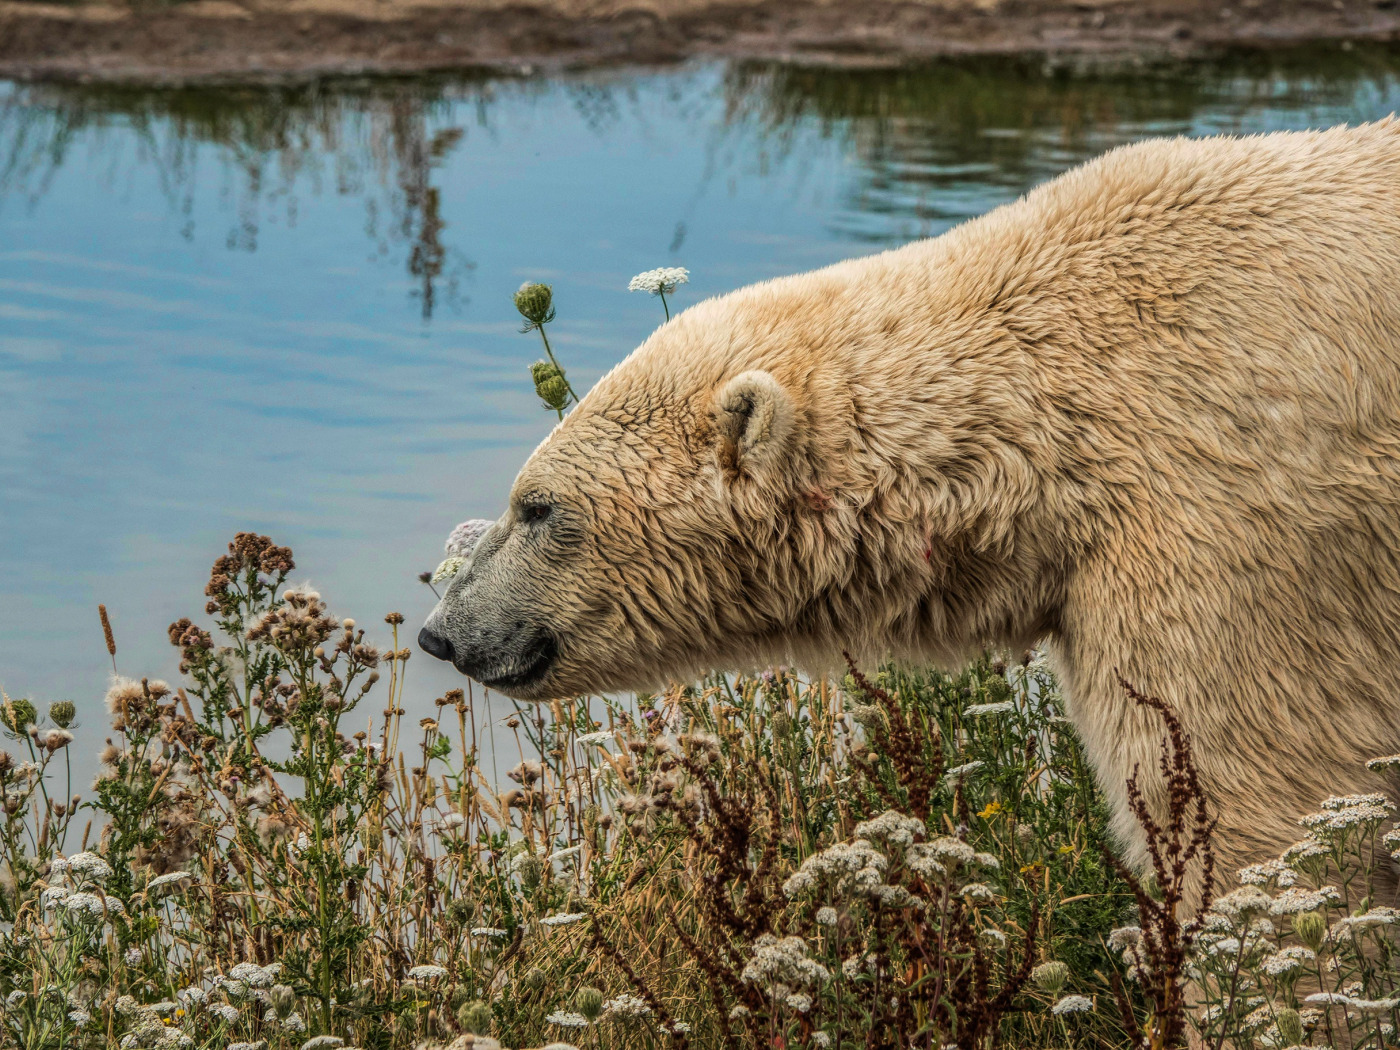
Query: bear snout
(434, 644)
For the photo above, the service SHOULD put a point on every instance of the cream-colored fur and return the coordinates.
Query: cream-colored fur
(1149, 414)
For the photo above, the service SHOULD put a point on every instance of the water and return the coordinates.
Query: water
(287, 310)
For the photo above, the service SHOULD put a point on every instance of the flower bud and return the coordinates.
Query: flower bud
(475, 1017)
(589, 1002)
(535, 303)
(1290, 1027)
(1050, 977)
(283, 999)
(17, 715)
(535, 979)
(550, 384)
(61, 713)
(1311, 928)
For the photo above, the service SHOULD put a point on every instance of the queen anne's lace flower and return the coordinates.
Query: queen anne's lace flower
(427, 972)
(489, 931)
(597, 739)
(168, 879)
(626, 1006)
(826, 916)
(855, 867)
(1287, 960)
(1296, 899)
(1270, 871)
(253, 975)
(999, 708)
(782, 961)
(563, 918)
(1072, 1004)
(323, 1042)
(91, 906)
(661, 281)
(1242, 903)
(567, 1019)
(891, 827)
(978, 891)
(959, 772)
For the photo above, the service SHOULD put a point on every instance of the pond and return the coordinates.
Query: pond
(287, 309)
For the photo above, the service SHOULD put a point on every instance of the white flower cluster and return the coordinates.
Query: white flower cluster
(892, 828)
(1343, 812)
(1287, 960)
(427, 972)
(1271, 871)
(626, 1006)
(567, 1019)
(85, 866)
(782, 965)
(661, 281)
(489, 931)
(1000, 708)
(958, 773)
(854, 867)
(1072, 1004)
(253, 975)
(563, 918)
(1297, 899)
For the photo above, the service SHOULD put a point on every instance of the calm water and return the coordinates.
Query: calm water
(288, 309)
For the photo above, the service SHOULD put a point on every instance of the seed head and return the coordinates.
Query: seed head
(535, 303)
(1311, 928)
(589, 1002)
(61, 713)
(475, 1017)
(1050, 977)
(1290, 1026)
(17, 715)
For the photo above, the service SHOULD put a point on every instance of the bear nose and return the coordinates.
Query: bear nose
(434, 645)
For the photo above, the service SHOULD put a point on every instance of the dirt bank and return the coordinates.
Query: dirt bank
(209, 39)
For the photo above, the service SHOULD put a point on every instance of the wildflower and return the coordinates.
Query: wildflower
(676, 1028)
(565, 854)
(1072, 1004)
(252, 975)
(15, 998)
(826, 916)
(291, 1023)
(739, 1013)
(91, 906)
(323, 1042)
(230, 1013)
(1296, 899)
(782, 961)
(1243, 903)
(167, 879)
(799, 1001)
(597, 739)
(132, 956)
(17, 715)
(1366, 921)
(567, 1019)
(489, 931)
(1374, 1006)
(978, 891)
(1050, 977)
(856, 866)
(466, 536)
(1270, 871)
(1375, 765)
(81, 1018)
(563, 918)
(958, 773)
(261, 1044)
(88, 865)
(999, 708)
(56, 739)
(626, 1006)
(427, 972)
(1287, 960)
(447, 568)
(1305, 849)
(821, 1040)
(891, 827)
(661, 281)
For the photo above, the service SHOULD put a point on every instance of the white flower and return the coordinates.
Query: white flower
(1366, 921)
(739, 1013)
(597, 739)
(960, 772)
(81, 1018)
(165, 880)
(826, 916)
(567, 1019)
(192, 995)
(292, 1022)
(1124, 937)
(856, 867)
(661, 281)
(91, 906)
(88, 865)
(1243, 902)
(132, 956)
(466, 536)
(252, 975)
(563, 918)
(1262, 874)
(15, 998)
(1287, 960)
(821, 1040)
(1072, 1004)
(782, 961)
(565, 854)
(323, 1042)
(891, 827)
(799, 1001)
(230, 1013)
(978, 891)
(549, 1046)
(489, 931)
(1374, 1006)
(1305, 849)
(261, 1044)
(626, 1006)
(447, 568)
(52, 896)
(1001, 707)
(427, 972)
(676, 1028)
(1297, 899)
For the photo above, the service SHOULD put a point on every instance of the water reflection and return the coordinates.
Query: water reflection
(287, 308)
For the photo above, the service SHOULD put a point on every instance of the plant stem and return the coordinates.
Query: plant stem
(555, 363)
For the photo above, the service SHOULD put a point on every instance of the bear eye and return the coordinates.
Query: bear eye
(535, 512)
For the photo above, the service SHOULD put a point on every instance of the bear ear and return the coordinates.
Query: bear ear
(754, 418)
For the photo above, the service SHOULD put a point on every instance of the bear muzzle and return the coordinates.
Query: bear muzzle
(513, 665)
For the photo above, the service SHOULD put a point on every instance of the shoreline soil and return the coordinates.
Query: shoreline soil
(212, 40)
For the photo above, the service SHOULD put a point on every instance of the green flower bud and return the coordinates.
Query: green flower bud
(1290, 1027)
(550, 384)
(458, 997)
(589, 1002)
(1050, 977)
(283, 999)
(781, 724)
(1311, 928)
(535, 303)
(61, 713)
(475, 1017)
(18, 715)
(530, 869)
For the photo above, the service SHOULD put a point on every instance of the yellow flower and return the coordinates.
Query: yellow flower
(1066, 849)
(993, 808)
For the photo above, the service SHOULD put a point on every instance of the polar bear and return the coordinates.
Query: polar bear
(1147, 416)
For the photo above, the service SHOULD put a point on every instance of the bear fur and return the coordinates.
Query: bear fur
(1147, 416)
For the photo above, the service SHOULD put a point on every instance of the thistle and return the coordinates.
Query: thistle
(536, 304)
